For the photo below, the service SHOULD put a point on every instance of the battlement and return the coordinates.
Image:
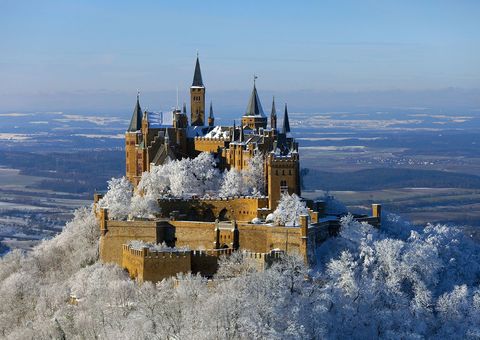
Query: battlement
(201, 138)
(147, 252)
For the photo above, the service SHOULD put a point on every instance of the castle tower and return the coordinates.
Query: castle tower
(211, 119)
(254, 117)
(197, 98)
(133, 138)
(283, 176)
(273, 116)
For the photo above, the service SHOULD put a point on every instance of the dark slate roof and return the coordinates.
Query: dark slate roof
(136, 121)
(286, 123)
(274, 111)
(211, 110)
(254, 107)
(197, 76)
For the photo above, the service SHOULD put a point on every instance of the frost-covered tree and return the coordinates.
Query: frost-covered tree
(397, 282)
(144, 206)
(182, 178)
(253, 175)
(232, 184)
(118, 198)
(289, 209)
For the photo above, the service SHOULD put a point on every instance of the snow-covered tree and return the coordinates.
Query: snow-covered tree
(232, 184)
(118, 198)
(182, 178)
(398, 281)
(253, 175)
(289, 209)
(144, 206)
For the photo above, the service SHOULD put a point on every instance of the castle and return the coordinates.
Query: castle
(210, 227)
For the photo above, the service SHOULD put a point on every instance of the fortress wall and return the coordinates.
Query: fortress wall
(234, 208)
(195, 235)
(133, 262)
(203, 144)
(263, 238)
(146, 265)
(161, 265)
(118, 233)
(205, 262)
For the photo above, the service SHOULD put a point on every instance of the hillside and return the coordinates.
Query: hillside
(398, 282)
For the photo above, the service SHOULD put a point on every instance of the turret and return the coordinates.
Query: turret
(136, 121)
(273, 116)
(286, 123)
(211, 119)
(254, 117)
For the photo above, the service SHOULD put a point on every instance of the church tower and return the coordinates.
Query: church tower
(197, 98)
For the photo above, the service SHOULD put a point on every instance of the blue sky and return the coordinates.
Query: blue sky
(89, 50)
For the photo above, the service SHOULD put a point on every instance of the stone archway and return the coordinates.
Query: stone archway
(224, 215)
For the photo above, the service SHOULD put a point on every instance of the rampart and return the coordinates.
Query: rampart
(240, 208)
(147, 265)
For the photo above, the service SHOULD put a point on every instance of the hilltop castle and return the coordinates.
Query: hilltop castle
(212, 227)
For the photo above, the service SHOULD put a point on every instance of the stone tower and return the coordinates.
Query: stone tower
(133, 137)
(197, 98)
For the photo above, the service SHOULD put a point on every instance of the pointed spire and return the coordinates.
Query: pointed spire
(197, 76)
(273, 115)
(241, 132)
(211, 110)
(136, 121)
(254, 107)
(286, 123)
(274, 111)
(184, 111)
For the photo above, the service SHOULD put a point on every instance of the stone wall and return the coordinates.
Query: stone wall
(147, 265)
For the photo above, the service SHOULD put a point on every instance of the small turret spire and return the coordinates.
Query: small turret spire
(254, 107)
(211, 119)
(197, 76)
(184, 111)
(286, 123)
(136, 121)
(273, 116)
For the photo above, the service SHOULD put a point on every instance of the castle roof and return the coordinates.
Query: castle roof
(286, 123)
(254, 107)
(274, 111)
(197, 76)
(136, 121)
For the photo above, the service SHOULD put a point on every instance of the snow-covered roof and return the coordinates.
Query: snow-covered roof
(218, 132)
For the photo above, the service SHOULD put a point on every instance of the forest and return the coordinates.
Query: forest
(399, 281)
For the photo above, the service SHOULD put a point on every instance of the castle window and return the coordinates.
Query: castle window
(283, 187)
(276, 172)
(283, 172)
(289, 172)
